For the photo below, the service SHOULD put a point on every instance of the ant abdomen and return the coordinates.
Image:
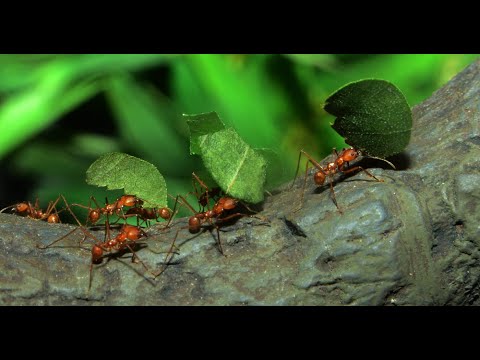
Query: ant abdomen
(164, 213)
(97, 253)
(194, 224)
(53, 219)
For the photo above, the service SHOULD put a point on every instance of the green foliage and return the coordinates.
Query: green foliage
(201, 125)
(236, 167)
(372, 115)
(272, 101)
(136, 176)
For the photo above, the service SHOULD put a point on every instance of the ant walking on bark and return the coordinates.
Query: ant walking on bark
(126, 238)
(212, 217)
(35, 212)
(339, 165)
(115, 208)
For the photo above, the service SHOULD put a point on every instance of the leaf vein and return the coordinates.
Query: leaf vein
(242, 161)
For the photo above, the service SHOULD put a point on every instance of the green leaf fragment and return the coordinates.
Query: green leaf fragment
(136, 176)
(235, 166)
(201, 125)
(372, 115)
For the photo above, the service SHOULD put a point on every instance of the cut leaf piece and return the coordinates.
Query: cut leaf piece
(372, 115)
(235, 166)
(136, 176)
(200, 125)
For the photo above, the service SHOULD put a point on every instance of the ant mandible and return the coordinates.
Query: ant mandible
(35, 212)
(341, 161)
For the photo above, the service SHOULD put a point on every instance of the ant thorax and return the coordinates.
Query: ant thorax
(330, 169)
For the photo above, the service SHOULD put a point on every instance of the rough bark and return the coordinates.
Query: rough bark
(411, 240)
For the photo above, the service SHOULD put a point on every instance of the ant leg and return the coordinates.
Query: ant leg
(334, 198)
(8, 207)
(219, 241)
(170, 251)
(174, 212)
(312, 161)
(80, 226)
(185, 202)
(136, 257)
(64, 236)
(52, 208)
(356, 168)
(195, 180)
(231, 216)
(31, 210)
(90, 278)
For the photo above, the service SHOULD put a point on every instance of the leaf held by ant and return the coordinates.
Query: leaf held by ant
(136, 176)
(372, 115)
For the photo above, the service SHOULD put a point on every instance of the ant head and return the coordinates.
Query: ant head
(93, 216)
(164, 213)
(21, 207)
(350, 154)
(97, 253)
(229, 203)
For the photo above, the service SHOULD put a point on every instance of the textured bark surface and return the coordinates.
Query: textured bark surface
(412, 239)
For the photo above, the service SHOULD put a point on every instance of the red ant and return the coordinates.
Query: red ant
(116, 208)
(147, 214)
(338, 165)
(196, 221)
(203, 198)
(35, 212)
(127, 237)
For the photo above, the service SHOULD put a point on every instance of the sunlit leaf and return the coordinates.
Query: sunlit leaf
(235, 166)
(200, 125)
(136, 176)
(372, 115)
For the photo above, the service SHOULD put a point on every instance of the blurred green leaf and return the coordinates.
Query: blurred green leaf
(372, 115)
(235, 166)
(93, 145)
(200, 125)
(136, 176)
(105, 64)
(41, 158)
(275, 174)
(28, 112)
(146, 122)
(238, 87)
(322, 61)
